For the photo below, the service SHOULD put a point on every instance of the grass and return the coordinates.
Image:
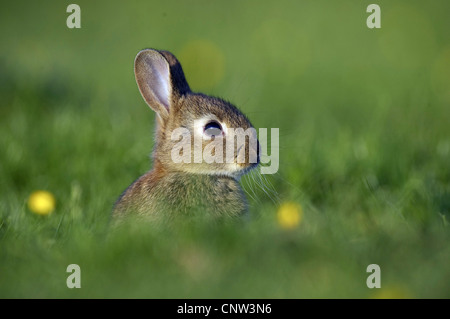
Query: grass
(364, 149)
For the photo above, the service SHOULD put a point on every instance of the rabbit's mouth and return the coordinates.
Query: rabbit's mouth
(246, 169)
(236, 172)
(246, 160)
(233, 170)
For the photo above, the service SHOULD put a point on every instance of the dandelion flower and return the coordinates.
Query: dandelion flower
(289, 215)
(41, 202)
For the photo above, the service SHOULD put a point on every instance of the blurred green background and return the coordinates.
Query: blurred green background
(364, 148)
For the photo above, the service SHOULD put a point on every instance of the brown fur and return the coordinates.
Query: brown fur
(170, 188)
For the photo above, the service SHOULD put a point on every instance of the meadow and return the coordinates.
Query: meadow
(364, 151)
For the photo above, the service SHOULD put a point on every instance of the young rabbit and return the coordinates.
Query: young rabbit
(176, 187)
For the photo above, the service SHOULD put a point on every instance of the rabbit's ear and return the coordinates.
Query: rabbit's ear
(179, 82)
(160, 79)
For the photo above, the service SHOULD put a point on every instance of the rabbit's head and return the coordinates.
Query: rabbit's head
(195, 133)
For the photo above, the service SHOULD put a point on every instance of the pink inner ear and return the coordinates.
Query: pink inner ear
(159, 81)
(153, 78)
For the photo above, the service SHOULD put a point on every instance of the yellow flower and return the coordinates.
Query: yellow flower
(41, 202)
(289, 215)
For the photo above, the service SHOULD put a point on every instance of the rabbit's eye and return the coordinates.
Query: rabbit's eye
(213, 129)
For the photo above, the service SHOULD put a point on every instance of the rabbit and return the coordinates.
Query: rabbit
(172, 188)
